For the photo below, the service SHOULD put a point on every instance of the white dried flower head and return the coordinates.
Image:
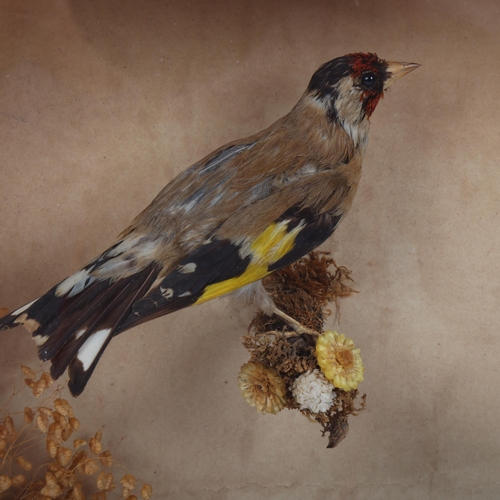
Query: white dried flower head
(313, 392)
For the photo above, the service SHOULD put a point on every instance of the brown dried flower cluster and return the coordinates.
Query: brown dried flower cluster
(302, 290)
(38, 461)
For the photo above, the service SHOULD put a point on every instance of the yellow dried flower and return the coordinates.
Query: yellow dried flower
(339, 360)
(146, 491)
(5, 483)
(24, 463)
(262, 388)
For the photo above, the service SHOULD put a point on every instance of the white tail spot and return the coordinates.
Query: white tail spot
(91, 348)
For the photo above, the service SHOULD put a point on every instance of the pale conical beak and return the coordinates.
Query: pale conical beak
(397, 70)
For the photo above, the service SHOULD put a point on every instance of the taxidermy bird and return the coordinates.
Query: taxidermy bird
(249, 208)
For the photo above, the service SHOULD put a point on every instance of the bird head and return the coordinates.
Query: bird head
(350, 87)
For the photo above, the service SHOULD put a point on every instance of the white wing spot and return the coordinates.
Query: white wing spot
(187, 268)
(91, 348)
(167, 293)
(185, 294)
(22, 309)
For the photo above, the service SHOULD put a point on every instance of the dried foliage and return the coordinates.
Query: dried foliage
(303, 291)
(42, 459)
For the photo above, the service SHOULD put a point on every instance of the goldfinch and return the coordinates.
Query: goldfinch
(249, 208)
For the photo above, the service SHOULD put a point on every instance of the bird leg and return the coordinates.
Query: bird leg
(293, 323)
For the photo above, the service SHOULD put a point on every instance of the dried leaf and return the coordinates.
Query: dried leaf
(105, 481)
(146, 491)
(28, 372)
(106, 458)
(51, 448)
(5, 483)
(78, 443)
(64, 455)
(24, 463)
(18, 481)
(28, 415)
(128, 481)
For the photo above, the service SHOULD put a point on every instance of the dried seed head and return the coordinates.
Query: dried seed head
(63, 407)
(3, 444)
(28, 415)
(78, 443)
(51, 488)
(91, 467)
(105, 481)
(47, 379)
(8, 423)
(51, 448)
(146, 491)
(55, 432)
(5, 483)
(95, 446)
(128, 481)
(64, 455)
(75, 423)
(30, 383)
(42, 422)
(46, 411)
(131, 497)
(106, 458)
(39, 387)
(28, 372)
(24, 463)
(125, 493)
(18, 481)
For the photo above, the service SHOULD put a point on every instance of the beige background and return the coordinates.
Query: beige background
(103, 102)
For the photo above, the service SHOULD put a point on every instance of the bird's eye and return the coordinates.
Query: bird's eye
(368, 79)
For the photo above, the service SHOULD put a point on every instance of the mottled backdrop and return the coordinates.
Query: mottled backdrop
(103, 102)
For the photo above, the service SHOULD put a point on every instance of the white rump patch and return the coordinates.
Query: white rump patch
(75, 283)
(188, 268)
(91, 348)
(22, 309)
